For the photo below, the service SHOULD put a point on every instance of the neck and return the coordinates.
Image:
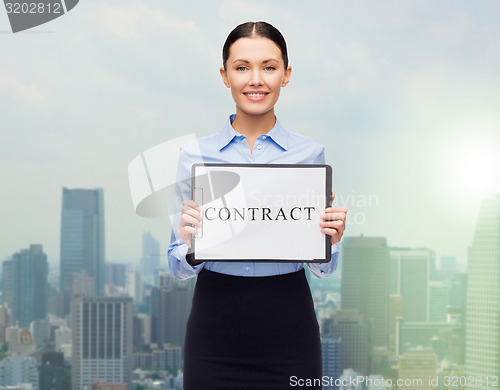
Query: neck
(252, 126)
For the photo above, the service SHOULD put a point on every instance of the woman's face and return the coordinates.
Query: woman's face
(255, 73)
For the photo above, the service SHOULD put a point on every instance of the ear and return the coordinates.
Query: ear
(223, 73)
(286, 78)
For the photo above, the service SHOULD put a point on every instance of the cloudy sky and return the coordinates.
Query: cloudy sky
(403, 94)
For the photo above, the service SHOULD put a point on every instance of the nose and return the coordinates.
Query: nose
(256, 78)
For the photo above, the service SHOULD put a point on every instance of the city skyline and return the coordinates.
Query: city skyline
(404, 98)
(367, 330)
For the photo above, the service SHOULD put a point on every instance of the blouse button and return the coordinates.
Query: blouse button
(247, 268)
(259, 146)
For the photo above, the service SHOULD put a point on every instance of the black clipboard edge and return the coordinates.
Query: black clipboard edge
(328, 196)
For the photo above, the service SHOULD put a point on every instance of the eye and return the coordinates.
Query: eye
(240, 68)
(270, 68)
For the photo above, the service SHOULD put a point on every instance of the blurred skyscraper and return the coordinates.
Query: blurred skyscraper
(482, 327)
(416, 368)
(445, 338)
(395, 312)
(40, 332)
(353, 331)
(448, 263)
(170, 307)
(365, 284)
(438, 300)
(17, 369)
(102, 340)
(410, 273)
(82, 239)
(116, 274)
(52, 371)
(28, 285)
(331, 350)
(150, 260)
(134, 286)
(7, 283)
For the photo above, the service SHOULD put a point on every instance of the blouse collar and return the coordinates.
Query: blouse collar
(278, 134)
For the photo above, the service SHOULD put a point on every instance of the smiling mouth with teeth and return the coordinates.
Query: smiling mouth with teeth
(255, 94)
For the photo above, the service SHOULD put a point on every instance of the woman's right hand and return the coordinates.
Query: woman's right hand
(190, 215)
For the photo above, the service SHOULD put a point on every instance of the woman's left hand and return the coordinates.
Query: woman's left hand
(333, 222)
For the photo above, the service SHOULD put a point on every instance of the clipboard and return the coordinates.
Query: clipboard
(261, 212)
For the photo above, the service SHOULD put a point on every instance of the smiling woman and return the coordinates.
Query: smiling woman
(255, 70)
(252, 324)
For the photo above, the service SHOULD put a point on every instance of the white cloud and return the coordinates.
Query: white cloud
(137, 22)
(9, 84)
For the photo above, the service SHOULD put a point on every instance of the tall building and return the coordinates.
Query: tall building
(52, 371)
(410, 272)
(134, 286)
(416, 368)
(395, 311)
(445, 338)
(170, 307)
(482, 326)
(168, 358)
(150, 260)
(347, 380)
(4, 322)
(448, 263)
(7, 283)
(40, 331)
(331, 351)
(83, 284)
(365, 282)
(102, 340)
(62, 336)
(458, 291)
(16, 369)
(438, 300)
(354, 332)
(29, 285)
(82, 239)
(116, 274)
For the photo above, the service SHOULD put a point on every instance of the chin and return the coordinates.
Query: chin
(255, 112)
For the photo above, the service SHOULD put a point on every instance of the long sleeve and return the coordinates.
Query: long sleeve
(322, 270)
(178, 249)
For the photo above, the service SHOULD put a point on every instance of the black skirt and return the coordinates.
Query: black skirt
(251, 333)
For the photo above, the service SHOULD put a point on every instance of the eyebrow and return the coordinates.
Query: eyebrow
(247, 62)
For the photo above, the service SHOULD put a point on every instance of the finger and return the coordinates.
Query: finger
(341, 209)
(332, 224)
(191, 204)
(190, 229)
(331, 232)
(188, 219)
(335, 236)
(193, 212)
(334, 216)
(333, 196)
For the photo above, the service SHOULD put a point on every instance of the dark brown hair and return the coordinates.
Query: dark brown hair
(255, 29)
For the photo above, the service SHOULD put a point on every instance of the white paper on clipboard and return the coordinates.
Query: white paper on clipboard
(262, 212)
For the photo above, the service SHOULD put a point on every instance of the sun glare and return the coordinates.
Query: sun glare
(475, 168)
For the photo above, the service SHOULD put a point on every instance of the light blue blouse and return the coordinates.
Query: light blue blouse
(278, 146)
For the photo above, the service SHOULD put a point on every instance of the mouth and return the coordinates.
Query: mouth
(256, 95)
